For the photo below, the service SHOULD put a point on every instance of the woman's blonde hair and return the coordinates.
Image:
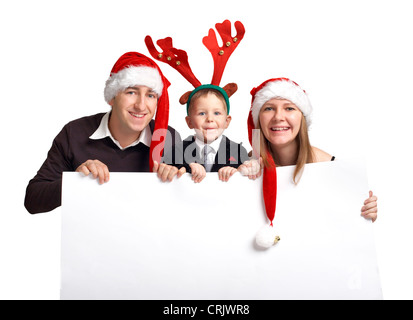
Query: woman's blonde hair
(305, 152)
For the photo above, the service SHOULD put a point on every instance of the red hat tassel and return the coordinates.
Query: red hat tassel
(266, 236)
(161, 126)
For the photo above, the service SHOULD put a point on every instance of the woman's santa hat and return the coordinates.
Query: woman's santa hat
(281, 88)
(136, 69)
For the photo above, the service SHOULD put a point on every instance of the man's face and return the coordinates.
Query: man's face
(132, 110)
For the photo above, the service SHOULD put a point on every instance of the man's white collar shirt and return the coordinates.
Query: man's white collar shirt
(103, 131)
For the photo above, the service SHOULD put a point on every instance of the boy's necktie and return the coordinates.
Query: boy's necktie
(207, 163)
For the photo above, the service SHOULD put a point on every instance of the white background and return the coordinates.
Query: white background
(352, 57)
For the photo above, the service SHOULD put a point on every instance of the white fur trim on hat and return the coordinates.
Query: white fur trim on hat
(133, 76)
(283, 89)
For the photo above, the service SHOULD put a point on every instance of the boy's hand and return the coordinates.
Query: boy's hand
(166, 171)
(198, 172)
(251, 168)
(225, 173)
(369, 210)
(96, 168)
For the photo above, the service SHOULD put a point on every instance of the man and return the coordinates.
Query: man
(126, 139)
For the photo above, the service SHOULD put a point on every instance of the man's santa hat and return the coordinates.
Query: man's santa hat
(178, 59)
(281, 88)
(135, 69)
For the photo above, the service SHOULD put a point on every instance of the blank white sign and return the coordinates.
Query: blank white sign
(136, 237)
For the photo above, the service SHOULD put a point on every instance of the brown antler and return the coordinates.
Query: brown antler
(222, 54)
(177, 59)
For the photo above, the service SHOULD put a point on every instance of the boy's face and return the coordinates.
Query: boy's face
(208, 117)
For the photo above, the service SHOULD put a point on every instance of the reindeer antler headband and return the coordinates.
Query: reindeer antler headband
(178, 59)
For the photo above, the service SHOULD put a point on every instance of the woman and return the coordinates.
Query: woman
(282, 111)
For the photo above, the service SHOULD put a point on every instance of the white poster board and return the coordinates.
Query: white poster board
(138, 238)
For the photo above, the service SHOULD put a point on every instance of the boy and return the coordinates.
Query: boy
(209, 150)
(208, 107)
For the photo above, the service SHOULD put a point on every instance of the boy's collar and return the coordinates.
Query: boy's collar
(214, 144)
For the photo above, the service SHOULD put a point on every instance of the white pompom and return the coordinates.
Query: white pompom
(266, 237)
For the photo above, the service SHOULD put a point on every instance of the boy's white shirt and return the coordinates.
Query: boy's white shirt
(103, 131)
(214, 145)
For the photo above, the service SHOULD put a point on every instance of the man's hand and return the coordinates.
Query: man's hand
(96, 168)
(166, 171)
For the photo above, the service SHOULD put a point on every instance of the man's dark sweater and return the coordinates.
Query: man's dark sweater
(71, 148)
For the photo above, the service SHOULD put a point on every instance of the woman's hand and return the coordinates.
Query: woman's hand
(369, 210)
(251, 168)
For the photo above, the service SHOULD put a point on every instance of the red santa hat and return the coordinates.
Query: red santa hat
(281, 88)
(136, 69)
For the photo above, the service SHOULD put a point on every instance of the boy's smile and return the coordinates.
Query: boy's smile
(208, 116)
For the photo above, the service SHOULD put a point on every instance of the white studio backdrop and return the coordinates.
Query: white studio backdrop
(353, 58)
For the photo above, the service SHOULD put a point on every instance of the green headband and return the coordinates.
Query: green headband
(208, 86)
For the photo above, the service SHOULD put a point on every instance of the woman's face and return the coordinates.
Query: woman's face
(280, 121)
